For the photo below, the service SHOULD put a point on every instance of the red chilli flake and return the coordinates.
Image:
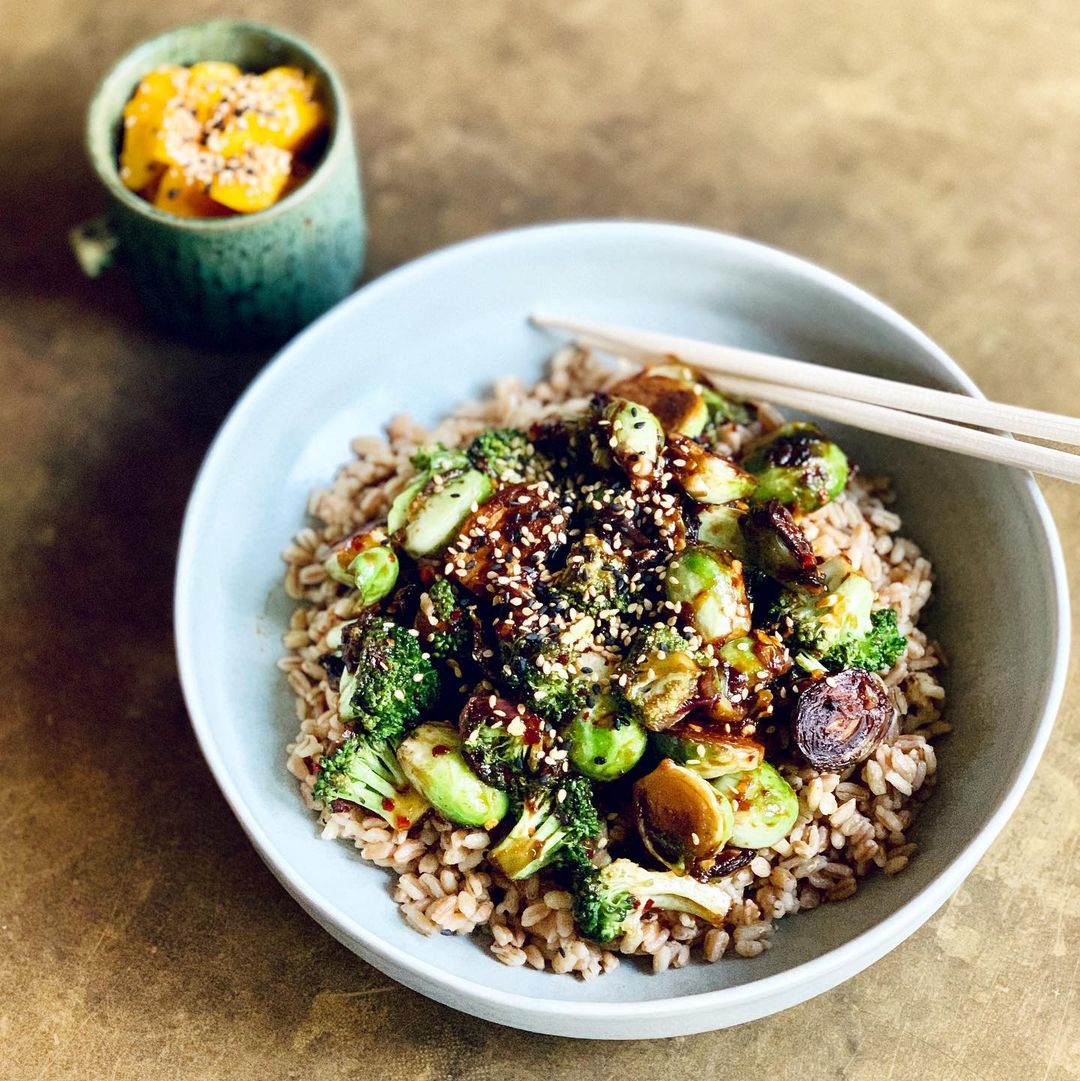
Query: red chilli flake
(388, 804)
(440, 749)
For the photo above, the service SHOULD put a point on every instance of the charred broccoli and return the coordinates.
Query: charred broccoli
(388, 680)
(876, 651)
(556, 818)
(366, 772)
(443, 621)
(542, 671)
(607, 900)
(505, 744)
(595, 579)
(505, 455)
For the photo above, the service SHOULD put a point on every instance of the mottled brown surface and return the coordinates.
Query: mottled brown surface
(930, 151)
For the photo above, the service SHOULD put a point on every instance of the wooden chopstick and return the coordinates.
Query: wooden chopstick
(912, 427)
(732, 360)
(727, 365)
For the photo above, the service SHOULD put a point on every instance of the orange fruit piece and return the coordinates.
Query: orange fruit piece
(179, 195)
(210, 82)
(143, 119)
(252, 180)
(278, 108)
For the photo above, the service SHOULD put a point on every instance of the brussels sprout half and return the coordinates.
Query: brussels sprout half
(721, 527)
(633, 437)
(672, 395)
(798, 466)
(432, 760)
(710, 581)
(366, 562)
(704, 476)
(436, 512)
(708, 752)
(604, 745)
(682, 820)
(766, 806)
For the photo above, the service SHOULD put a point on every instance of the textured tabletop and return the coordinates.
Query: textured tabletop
(928, 151)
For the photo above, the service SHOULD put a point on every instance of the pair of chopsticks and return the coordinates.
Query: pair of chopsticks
(935, 418)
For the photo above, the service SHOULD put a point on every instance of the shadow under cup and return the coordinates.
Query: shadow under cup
(251, 278)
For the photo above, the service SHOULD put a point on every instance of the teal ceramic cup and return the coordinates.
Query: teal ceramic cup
(252, 277)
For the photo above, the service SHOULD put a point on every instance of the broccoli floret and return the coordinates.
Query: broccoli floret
(555, 819)
(876, 651)
(443, 621)
(438, 459)
(506, 455)
(595, 579)
(607, 900)
(505, 744)
(367, 772)
(542, 672)
(388, 679)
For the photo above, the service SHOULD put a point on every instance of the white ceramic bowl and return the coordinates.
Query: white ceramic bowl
(436, 332)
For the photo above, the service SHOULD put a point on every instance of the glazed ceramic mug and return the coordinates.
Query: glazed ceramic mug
(251, 277)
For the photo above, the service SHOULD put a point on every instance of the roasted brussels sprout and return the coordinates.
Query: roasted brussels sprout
(839, 720)
(436, 513)
(432, 760)
(817, 622)
(658, 681)
(429, 462)
(366, 562)
(366, 772)
(505, 744)
(798, 466)
(704, 476)
(778, 547)
(710, 582)
(766, 806)
(708, 752)
(721, 527)
(517, 528)
(681, 819)
(604, 745)
(672, 394)
(635, 440)
(755, 659)
(740, 688)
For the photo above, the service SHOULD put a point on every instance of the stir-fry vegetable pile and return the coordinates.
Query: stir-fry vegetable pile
(605, 620)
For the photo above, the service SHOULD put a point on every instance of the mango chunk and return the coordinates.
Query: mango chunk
(253, 180)
(144, 118)
(177, 194)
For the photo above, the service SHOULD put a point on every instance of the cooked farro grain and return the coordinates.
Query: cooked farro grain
(851, 823)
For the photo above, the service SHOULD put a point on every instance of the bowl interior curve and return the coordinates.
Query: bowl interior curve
(437, 333)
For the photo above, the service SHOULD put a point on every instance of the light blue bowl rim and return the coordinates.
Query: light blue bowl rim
(821, 970)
